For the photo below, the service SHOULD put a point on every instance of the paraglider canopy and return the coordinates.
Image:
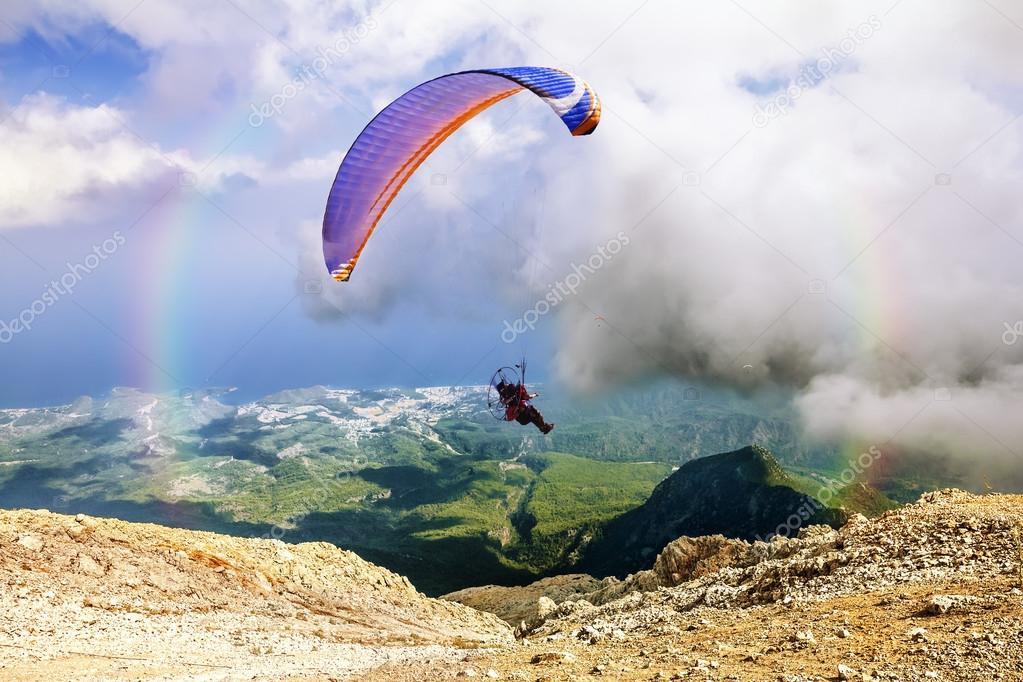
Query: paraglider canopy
(406, 132)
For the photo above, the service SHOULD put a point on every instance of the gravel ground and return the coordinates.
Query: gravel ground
(932, 591)
(86, 598)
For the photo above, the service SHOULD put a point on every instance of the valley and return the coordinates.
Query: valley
(423, 481)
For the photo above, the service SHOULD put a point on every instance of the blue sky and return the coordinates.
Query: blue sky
(855, 237)
(226, 307)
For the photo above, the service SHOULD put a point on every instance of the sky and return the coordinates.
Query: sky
(822, 198)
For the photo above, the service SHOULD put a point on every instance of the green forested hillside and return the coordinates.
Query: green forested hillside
(422, 481)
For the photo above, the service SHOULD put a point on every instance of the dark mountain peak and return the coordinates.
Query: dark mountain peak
(753, 463)
(740, 494)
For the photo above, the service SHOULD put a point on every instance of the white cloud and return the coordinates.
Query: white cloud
(920, 276)
(57, 159)
(716, 282)
(320, 169)
(64, 162)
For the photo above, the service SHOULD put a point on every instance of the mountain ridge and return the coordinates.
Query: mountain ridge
(743, 494)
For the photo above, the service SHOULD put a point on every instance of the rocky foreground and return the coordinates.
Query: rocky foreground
(86, 598)
(932, 591)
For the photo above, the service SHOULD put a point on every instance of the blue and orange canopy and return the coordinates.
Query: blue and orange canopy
(400, 137)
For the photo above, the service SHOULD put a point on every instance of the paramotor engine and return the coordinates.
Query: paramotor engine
(505, 376)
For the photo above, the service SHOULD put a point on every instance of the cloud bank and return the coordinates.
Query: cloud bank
(860, 243)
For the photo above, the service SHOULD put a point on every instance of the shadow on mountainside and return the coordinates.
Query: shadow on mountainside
(743, 494)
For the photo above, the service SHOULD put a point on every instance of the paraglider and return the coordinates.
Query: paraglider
(509, 400)
(405, 133)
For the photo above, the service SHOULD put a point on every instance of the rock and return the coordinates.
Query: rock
(845, 672)
(545, 606)
(31, 542)
(89, 566)
(553, 657)
(857, 519)
(940, 604)
(917, 635)
(805, 636)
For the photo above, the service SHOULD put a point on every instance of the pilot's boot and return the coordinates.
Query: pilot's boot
(544, 427)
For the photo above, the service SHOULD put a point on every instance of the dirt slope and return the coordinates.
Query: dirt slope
(84, 598)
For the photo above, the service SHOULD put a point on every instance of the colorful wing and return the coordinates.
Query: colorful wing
(401, 136)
